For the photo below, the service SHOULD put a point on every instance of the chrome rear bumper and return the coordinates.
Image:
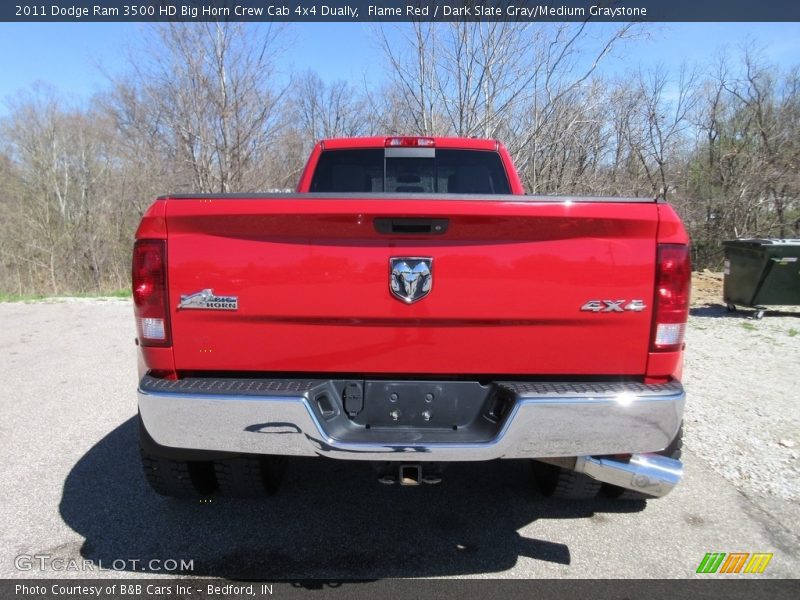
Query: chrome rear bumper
(543, 419)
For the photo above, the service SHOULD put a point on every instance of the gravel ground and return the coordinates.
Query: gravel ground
(742, 380)
(743, 384)
(72, 486)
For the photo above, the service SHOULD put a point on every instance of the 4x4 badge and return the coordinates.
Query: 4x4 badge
(614, 306)
(410, 278)
(206, 300)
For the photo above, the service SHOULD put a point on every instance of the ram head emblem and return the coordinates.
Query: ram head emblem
(410, 279)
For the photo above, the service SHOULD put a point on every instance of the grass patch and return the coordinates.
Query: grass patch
(749, 326)
(793, 332)
(123, 293)
(20, 298)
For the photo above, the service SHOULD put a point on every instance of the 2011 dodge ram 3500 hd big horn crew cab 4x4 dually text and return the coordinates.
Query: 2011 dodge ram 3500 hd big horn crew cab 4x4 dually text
(410, 306)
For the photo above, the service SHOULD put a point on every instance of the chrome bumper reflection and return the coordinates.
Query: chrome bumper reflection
(543, 425)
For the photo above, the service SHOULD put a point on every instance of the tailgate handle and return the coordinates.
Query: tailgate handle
(424, 226)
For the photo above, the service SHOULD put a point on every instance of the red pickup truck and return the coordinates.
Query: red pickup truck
(410, 306)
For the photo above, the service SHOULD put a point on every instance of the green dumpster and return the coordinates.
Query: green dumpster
(761, 273)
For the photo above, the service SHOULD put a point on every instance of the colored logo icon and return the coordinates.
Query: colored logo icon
(734, 562)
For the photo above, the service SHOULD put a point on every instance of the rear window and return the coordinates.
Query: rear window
(447, 172)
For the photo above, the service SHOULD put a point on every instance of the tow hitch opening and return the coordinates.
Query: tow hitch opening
(410, 474)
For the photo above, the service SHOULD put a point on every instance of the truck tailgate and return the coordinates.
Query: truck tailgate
(509, 278)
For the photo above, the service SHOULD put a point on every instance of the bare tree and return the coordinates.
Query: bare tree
(745, 179)
(205, 96)
(64, 159)
(663, 116)
(325, 110)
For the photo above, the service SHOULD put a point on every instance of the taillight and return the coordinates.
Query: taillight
(149, 276)
(410, 142)
(673, 286)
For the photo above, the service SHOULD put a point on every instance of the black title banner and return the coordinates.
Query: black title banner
(400, 10)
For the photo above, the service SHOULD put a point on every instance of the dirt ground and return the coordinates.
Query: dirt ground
(706, 288)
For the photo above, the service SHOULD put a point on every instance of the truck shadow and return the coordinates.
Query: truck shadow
(716, 311)
(330, 520)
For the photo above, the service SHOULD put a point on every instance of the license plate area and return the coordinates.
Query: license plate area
(422, 404)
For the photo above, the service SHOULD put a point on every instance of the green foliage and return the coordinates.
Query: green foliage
(7, 297)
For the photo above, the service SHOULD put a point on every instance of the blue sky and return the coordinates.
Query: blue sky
(73, 56)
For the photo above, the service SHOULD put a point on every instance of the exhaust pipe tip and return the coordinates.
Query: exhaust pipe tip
(650, 474)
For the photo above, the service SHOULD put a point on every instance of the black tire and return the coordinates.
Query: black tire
(557, 482)
(674, 450)
(249, 476)
(178, 478)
